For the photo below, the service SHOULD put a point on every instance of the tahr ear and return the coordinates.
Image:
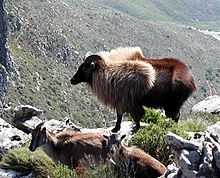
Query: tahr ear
(44, 130)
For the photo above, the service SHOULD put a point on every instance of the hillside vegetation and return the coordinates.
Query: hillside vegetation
(200, 13)
(48, 38)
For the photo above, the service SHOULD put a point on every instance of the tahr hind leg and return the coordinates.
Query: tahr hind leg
(137, 115)
(173, 113)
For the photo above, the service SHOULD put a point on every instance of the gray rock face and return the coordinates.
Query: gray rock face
(12, 174)
(179, 143)
(4, 57)
(26, 111)
(198, 157)
(25, 117)
(211, 105)
(10, 137)
(214, 131)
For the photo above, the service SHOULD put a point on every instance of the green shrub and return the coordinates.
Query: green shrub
(102, 171)
(24, 161)
(151, 138)
(62, 171)
(203, 118)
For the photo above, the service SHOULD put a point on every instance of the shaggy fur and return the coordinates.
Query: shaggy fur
(122, 85)
(141, 164)
(70, 147)
(133, 161)
(120, 54)
(125, 80)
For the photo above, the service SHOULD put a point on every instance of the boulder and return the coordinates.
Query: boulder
(179, 143)
(198, 157)
(210, 104)
(12, 174)
(11, 137)
(214, 131)
(26, 111)
(24, 117)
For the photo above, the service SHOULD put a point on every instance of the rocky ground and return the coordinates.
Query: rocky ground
(197, 157)
(25, 118)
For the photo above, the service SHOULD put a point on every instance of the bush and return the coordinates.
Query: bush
(151, 138)
(24, 161)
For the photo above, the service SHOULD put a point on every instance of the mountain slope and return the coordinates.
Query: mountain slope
(200, 13)
(47, 38)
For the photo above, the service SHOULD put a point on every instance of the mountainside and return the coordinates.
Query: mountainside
(200, 13)
(46, 39)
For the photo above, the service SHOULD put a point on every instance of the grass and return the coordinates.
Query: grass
(179, 12)
(24, 161)
(45, 84)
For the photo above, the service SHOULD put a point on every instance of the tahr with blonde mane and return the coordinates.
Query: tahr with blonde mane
(125, 80)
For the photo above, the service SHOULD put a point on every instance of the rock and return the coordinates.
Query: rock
(198, 157)
(186, 164)
(25, 117)
(207, 151)
(172, 172)
(11, 137)
(26, 111)
(217, 159)
(211, 105)
(27, 125)
(12, 174)
(205, 168)
(214, 131)
(194, 158)
(179, 143)
(8, 174)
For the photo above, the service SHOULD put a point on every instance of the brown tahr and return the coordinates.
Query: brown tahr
(133, 161)
(126, 81)
(70, 147)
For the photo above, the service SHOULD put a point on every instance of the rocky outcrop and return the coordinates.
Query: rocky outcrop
(5, 64)
(10, 137)
(27, 117)
(198, 157)
(12, 174)
(211, 105)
